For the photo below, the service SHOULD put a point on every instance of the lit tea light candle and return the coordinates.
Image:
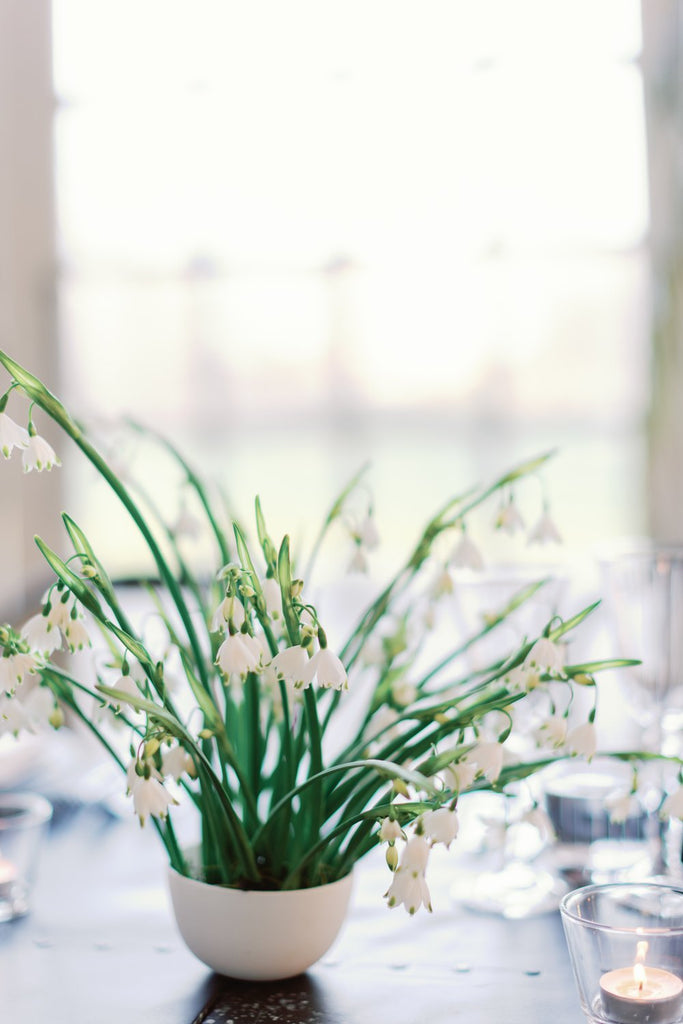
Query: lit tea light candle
(642, 995)
(8, 876)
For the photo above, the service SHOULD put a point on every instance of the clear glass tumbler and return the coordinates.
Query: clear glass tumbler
(626, 946)
(23, 818)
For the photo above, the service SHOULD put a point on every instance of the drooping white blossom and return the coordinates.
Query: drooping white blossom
(328, 669)
(76, 635)
(442, 585)
(466, 555)
(176, 762)
(150, 798)
(488, 758)
(273, 598)
(552, 732)
(59, 615)
(125, 684)
(460, 775)
(545, 531)
(522, 679)
(230, 609)
(673, 804)
(39, 455)
(41, 635)
(404, 692)
(11, 435)
(545, 655)
(14, 668)
(186, 524)
(367, 532)
(293, 666)
(621, 805)
(358, 562)
(440, 825)
(582, 740)
(236, 656)
(13, 718)
(39, 707)
(390, 831)
(508, 518)
(409, 886)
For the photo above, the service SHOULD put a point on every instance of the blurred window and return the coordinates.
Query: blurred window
(296, 236)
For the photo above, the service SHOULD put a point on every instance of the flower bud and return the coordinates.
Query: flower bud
(56, 719)
(392, 857)
(151, 747)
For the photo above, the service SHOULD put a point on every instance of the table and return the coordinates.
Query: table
(101, 947)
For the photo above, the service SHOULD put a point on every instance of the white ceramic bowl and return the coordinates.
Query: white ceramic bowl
(258, 935)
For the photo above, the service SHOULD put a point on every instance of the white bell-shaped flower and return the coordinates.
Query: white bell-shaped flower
(11, 435)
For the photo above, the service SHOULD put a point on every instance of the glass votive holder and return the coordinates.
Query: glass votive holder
(23, 818)
(591, 846)
(626, 946)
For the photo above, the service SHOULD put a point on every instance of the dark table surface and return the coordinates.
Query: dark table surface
(100, 947)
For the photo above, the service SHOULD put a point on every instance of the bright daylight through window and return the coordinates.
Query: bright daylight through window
(432, 257)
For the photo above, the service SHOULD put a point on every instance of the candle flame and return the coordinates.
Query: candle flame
(641, 952)
(639, 976)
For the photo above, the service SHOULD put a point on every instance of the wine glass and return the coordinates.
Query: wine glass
(642, 584)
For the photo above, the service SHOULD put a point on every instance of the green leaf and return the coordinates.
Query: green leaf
(69, 578)
(267, 546)
(284, 572)
(565, 627)
(35, 389)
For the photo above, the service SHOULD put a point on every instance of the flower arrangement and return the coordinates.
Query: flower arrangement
(246, 739)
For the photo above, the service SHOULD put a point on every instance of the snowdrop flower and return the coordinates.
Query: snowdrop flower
(522, 679)
(409, 886)
(39, 707)
(488, 757)
(329, 670)
(229, 610)
(390, 831)
(126, 684)
(150, 797)
(545, 655)
(293, 666)
(538, 818)
(14, 668)
(460, 775)
(441, 825)
(441, 585)
(508, 518)
(545, 531)
(41, 635)
(176, 761)
(582, 740)
(59, 615)
(76, 635)
(13, 717)
(38, 455)
(358, 562)
(367, 533)
(273, 598)
(236, 656)
(404, 692)
(553, 731)
(467, 555)
(621, 805)
(186, 524)
(11, 435)
(673, 805)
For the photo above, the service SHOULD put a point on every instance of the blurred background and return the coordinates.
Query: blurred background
(300, 236)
